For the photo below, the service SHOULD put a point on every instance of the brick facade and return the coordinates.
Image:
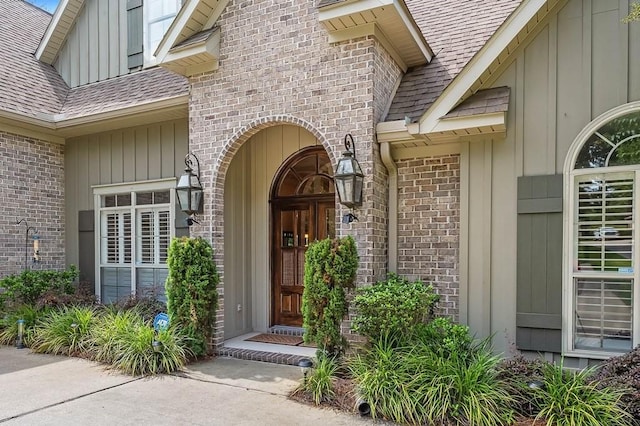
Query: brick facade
(32, 189)
(277, 66)
(429, 225)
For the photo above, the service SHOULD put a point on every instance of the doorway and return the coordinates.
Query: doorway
(302, 211)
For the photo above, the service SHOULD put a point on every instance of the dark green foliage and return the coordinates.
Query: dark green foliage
(64, 331)
(330, 267)
(146, 307)
(393, 307)
(516, 374)
(28, 286)
(192, 297)
(623, 372)
(444, 337)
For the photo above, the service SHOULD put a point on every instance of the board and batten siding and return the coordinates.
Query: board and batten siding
(247, 246)
(583, 62)
(96, 47)
(129, 155)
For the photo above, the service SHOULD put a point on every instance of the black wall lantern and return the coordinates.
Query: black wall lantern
(189, 189)
(349, 177)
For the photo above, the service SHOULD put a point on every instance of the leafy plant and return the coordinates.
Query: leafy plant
(28, 286)
(106, 338)
(147, 307)
(444, 337)
(393, 307)
(191, 292)
(569, 398)
(330, 267)
(64, 331)
(623, 372)
(9, 324)
(413, 384)
(320, 382)
(517, 373)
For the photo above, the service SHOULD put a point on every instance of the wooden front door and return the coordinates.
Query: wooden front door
(302, 212)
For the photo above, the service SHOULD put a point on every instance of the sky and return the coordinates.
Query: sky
(48, 5)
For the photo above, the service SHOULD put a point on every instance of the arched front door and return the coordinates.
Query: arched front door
(303, 210)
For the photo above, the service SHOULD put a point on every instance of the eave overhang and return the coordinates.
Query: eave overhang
(196, 57)
(447, 130)
(176, 53)
(57, 127)
(387, 20)
(61, 23)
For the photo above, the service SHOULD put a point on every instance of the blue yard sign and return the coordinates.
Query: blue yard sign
(161, 322)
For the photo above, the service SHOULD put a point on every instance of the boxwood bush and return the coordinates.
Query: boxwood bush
(393, 307)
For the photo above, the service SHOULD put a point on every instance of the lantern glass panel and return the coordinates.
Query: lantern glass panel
(358, 189)
(183, 198)
(196, 197)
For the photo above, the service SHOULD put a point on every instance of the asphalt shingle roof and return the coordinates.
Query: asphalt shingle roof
(485, 101)
(27, 86)
(125, 91)
(456, 30)
(33, 88)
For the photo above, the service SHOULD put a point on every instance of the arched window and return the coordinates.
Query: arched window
(603, 273)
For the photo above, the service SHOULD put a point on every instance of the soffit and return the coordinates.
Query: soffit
(58, 30)
(194, 19)
(389, 20)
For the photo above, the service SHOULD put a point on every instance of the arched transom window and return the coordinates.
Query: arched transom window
(602, 283)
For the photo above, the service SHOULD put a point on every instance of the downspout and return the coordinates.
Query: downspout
(387, 160)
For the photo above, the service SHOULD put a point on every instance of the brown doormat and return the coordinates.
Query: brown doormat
(277, 339)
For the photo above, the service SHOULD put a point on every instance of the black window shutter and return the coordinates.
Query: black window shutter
(135, 40)
(539, 276)
(86, 245)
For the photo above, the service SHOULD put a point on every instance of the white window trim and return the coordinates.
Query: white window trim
(129, 187)
(148, 57)
(568, 210)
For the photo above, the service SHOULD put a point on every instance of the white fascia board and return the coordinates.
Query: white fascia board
(349, 8)
(217, 11)
(62, 122)
(209, 49)
(496, 119)
(393, 131)
(53, 26)
(172, 34)
(479, 63)
(33, 128)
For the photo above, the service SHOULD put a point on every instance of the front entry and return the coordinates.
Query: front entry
(303, 210)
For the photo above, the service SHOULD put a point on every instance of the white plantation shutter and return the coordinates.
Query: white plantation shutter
(604, 267)
(133, 253)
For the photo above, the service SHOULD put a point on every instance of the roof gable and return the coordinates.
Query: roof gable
(187, 35)
(58, 30)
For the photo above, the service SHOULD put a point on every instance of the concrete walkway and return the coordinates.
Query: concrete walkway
(41, 389)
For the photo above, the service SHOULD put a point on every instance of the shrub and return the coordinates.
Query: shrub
(516, 374)
(319, 383)
(106, 337)
(146, 307)
(330, 267)
(9, 324)
(191, 292)
(64, 331)
(413, 384)
(569, 398)
(28, 286)
(444, 337)
(623, 372)
(392, 307)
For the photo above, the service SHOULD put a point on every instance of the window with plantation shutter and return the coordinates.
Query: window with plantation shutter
(135, 232)
(603, 270)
